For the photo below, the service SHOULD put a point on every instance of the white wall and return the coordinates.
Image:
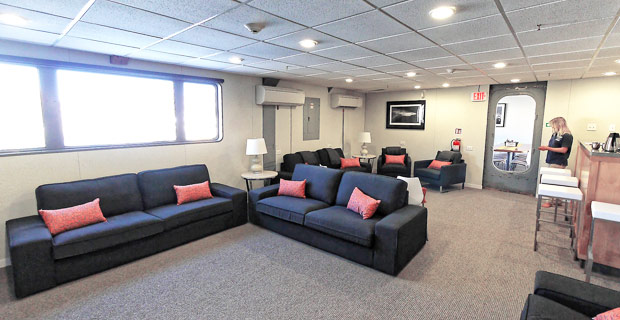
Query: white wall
(519, 120)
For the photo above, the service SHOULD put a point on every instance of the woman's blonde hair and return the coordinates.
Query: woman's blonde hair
(559, 126)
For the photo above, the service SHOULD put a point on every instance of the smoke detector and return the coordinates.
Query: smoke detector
(254, 27)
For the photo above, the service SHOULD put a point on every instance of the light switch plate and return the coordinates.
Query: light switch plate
(591, 127)
(470, 148)
(612, 128)
(278, 151)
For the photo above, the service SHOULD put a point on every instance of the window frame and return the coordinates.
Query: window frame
(50, 106)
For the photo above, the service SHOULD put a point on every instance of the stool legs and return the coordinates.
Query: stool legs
(537, 223)
(590, 261)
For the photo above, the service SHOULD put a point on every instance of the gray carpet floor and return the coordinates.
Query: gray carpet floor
(478, 264)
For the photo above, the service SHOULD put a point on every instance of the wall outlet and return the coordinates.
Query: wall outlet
(612, 128)
(591, 127)
(470, 148)
(402, 143)
(278, 151)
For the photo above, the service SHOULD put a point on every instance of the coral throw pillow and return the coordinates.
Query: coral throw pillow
(362, 204)
(395, 159)
(291, 188)
(436, 164)
(609, 315)
(66, 219)
(193, 192)
(349, 163)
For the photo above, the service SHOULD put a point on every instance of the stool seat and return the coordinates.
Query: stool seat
(556, 171)
(549, 190)
(605, 211)
(559, 180)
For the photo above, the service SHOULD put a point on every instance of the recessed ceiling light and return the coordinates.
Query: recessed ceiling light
(499, 65)
(445, 85)
(618, 61)
(515, 80)
(236, 60)
(443, 12)
(411, 74)
(308, 43)
(12, 19)
(418, 87)
(610, 73)
(349, 80)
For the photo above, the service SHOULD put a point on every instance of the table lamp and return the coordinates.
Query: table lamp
(364, 139)
(256, 147)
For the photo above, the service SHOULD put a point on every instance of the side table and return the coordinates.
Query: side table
(266, 176)
(369, 157)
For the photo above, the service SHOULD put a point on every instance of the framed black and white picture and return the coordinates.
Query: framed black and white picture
(500, 115)
(405, 114)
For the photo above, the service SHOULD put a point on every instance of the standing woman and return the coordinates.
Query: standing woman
(559, 146)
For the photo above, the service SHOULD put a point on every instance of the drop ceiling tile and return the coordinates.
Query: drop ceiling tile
(282, 75)
(397, 67)
(265, 50)
(598, 71)
(579, 55)
(292, 40)
(326, 76)
(523, 76)
(614, 39)
(439, 62)
(93, 46)
(334, 66)
(132, 19)
(208, 64)
(273, 65)
(572, 73)
(494, 56)
(517, 68)
(566, 32)
(366, 26)
(379, 60)
(65, 8)
(312, 13)
(606, 62)
(402, 42)
(304, 71)
(421, 54)
(481, 45)
(304, 59)
(609, 53)
(234, 20)
(380, 76)
(561, 65)
(159, 56)
(180, 48)
(415, 12)
(359, 72)
(571, 11)
(468, 30)
(27, 35)
(345, 52)
(100, 33)
(458, 74)
(247, 70)
(456, 69)
(510, 5)
(509, 63)
(36, 20)
(188, 10)
(225, 56)
(563, 46)
(383, 3)
(212, 38)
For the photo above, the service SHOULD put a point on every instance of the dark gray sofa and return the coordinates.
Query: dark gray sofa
(563, 298)
(386, 242)
(329, 157)
(447, 175)
(143, 218)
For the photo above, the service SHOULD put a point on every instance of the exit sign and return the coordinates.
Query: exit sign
(478, 96)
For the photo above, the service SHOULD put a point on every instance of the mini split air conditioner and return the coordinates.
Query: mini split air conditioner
(279, 96)
(344, 101)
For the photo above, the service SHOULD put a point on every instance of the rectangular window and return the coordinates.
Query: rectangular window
(200, 111)
(21, 118)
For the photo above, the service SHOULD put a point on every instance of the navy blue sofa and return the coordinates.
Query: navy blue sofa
(386, 242)
(143, 218)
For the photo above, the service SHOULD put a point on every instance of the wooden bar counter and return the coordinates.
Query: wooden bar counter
(599, 180)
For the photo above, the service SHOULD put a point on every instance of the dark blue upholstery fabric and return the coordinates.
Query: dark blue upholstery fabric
(118, 229)
(392, 192)
(537, 307)
(175, 215)
(239, 201)
(321, 183)
(342, 223)
(289, 208)
(118, 194)
(427, 173)
(157, 186)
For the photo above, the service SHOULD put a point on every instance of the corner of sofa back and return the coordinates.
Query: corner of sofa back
(321, 183)
(391, 191)
(156, 186)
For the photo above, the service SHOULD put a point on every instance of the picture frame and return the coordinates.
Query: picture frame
(500, 115)
(405, 114)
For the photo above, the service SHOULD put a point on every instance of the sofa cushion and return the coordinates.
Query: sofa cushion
(321, 183)
(349, 163)
(449, 156)
(391, 191)
(61, 220)
(538, 307)
(157, 186)
(334, 157)
(342, 223)
(193, 192)
(427, 173)
(310, 157)
(118, 229)
(178, 215)
(292, 188)
(289, 208)
(117, 194)
(289, 162)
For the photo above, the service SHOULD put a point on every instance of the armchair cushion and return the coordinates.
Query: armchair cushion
(449, 156)
(436, 164)
(394, 150)
(178, 215)
(428, 173)
(391, 159)
(289, 208)
(395, 169)
(342, 223)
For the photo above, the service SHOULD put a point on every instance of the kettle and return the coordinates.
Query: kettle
(611, 145)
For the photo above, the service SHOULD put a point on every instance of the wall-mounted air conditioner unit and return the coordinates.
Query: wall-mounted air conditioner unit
(279, 96)
(344, 101)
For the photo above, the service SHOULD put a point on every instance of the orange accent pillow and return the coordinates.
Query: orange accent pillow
(362, 204)
(395, 159)
(436, 164)
(66, 219)
(349, 163)
(193, 192)
(291, 188)
(609, 315)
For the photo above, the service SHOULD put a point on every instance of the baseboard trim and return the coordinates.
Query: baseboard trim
(473, 186)
(5, 262)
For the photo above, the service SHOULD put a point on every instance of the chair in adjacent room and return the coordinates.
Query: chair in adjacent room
(390, 164)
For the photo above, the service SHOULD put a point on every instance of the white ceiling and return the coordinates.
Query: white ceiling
(375, 42)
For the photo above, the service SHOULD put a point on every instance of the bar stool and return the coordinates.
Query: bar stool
(600, 211)
(565, 193)
(555, 171)
(559, 180)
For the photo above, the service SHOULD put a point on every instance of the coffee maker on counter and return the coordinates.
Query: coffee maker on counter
(611, 145)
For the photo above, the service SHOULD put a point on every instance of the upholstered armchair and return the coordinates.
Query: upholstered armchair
(447, 175)
(330, 157)
(393, 169)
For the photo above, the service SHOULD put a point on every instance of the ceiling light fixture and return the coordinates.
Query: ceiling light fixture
(418, 87)
(499, 65)
(515, 80)
(445, 85)
(235, 60)
(411, 74)
(308, 43)
(443, 12)
(12, 19)
(349, 80)
(609, 74)
(617, 61)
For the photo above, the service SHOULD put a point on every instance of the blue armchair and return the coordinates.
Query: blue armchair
(447, 175)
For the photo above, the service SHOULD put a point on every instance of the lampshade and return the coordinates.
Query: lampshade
(255, 147)
(365, 137)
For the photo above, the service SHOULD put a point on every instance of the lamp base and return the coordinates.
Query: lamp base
(364, 150)
(256, 167)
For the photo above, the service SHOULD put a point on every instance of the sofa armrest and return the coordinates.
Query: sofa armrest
(451, 174)
(580, 296)
(239, 199)
(398, 237)
(421, 164)
(259, 194)
(30, 247)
